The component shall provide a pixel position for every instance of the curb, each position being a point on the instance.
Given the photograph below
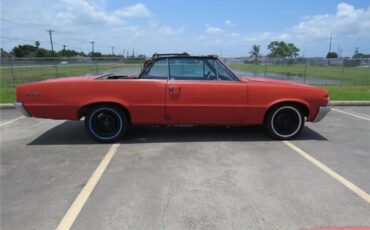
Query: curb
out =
(349, 103)
(332, 103)
(7, 106)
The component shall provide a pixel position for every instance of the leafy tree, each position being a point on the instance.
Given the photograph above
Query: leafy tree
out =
(41, 52)
(31, 51)
(95, 54)
(4, 53)
(25, 51)
(255, 52)
(69, 53)
(37, 44)
(332, 55)
(292, 50)
(282, 49)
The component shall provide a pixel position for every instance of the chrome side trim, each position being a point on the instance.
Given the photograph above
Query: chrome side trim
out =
(19, 106)
(322, 113)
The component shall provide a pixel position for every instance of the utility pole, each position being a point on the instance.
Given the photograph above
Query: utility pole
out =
(331, 37)
(92, 47)
(123, 53)
(51, 39)
(112, 50)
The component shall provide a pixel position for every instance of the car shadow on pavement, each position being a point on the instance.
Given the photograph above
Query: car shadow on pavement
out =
(73, 132)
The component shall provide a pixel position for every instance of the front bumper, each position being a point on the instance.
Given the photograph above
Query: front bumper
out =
(322, 113)
(19, 106)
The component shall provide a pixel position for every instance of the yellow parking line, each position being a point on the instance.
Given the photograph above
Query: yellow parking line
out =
(351, 114)
(11, 121)
(81, 199)
(361, 193)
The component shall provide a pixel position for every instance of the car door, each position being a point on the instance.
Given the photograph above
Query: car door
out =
(147, 94)
(203, 91)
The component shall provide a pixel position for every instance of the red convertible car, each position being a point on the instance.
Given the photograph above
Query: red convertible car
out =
(175, 89)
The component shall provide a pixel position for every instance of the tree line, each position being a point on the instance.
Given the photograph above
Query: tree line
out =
(277, 49)
(280, 49)
(24, 51)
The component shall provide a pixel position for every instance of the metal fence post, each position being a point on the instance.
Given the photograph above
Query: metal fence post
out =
(305, 71)
(341, 83)
(97, 67)
(265, 66)
(56, 68)
(12, 71)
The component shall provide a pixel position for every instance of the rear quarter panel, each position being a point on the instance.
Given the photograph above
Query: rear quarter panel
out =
(62, 99)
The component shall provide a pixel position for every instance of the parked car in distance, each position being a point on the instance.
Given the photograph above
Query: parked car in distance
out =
(175, 89)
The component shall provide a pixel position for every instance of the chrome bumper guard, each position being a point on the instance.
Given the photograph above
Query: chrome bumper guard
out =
(322, 113)
(19, 106)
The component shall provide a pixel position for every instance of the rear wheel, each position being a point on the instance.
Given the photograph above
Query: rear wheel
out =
(284, 122)
(106, 123)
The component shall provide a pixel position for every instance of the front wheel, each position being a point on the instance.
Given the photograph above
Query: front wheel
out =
(106, 123)
(284, 122)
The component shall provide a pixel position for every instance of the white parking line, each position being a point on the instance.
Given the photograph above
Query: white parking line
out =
(361, 193)
(81, 199)
(351, 114)
(11, 121)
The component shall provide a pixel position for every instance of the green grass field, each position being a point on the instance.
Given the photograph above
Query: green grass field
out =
(349, 93)
(351, 75)
(357, 86)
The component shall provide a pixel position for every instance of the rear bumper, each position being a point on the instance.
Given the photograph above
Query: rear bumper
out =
(19, 106)
(322, 113)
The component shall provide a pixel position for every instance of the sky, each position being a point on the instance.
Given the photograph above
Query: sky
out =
(218, 27)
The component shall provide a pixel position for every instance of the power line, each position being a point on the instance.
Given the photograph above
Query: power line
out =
(32, 26)
(19, 39)
(22, 24)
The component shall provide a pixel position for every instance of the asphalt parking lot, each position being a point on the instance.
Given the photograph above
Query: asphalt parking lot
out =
(53, 174)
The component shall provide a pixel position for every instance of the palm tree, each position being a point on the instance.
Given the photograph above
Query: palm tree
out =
(255, 52)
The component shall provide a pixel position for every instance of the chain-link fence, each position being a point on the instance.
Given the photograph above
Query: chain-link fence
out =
(18, 70)
(315, 71)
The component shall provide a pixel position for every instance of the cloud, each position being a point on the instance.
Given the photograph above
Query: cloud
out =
(135, 11)
(347, 22)
(167, 30)
(213, 30)
(229, 23)
(76, 22)
(82, 11)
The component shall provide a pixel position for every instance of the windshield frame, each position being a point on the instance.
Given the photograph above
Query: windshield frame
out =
(149, 63)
